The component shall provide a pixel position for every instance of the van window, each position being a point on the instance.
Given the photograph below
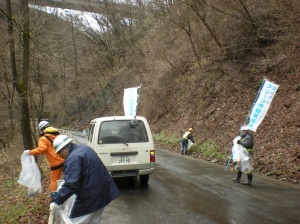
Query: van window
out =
(91, 132)
(120, 131)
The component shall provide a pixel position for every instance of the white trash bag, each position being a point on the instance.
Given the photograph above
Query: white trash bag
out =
(190, 143)
(241, 157)
(61, 216)
(235, 150)
(30, 175)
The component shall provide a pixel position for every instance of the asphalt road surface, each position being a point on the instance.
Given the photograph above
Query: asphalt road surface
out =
(184, 190)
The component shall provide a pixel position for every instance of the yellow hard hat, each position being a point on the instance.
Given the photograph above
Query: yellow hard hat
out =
(191, 129)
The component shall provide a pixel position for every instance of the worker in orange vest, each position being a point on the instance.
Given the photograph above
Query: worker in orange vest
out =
(45, 146)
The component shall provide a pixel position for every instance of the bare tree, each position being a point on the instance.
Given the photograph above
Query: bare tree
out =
(199, 8)
(20, 80)
(8, 95)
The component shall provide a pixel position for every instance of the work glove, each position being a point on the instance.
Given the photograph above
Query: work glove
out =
(54, 207)
(27, 152)
(53, 196)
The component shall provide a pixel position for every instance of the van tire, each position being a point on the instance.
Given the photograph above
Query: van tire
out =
(144, 179)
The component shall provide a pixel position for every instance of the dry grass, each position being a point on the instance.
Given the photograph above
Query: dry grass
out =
(15, 206)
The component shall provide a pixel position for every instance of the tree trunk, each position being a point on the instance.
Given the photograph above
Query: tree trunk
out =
(21, 83)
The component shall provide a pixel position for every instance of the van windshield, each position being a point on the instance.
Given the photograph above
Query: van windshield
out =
(120, 131)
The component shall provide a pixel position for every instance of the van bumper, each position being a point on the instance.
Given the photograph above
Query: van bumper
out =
(146, 171)
(131, 173)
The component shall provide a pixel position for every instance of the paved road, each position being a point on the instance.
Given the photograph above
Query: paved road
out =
(76, 135)
(188, 190)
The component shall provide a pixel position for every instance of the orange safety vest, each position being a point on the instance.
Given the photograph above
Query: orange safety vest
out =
(46, 147)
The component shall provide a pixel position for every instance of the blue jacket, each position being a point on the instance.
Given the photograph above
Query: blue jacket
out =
(86, 176)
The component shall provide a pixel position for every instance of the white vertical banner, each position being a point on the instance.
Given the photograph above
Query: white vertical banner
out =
(130, 101)
(262, 105)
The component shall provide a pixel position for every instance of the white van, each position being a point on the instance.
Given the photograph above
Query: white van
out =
(124, 144)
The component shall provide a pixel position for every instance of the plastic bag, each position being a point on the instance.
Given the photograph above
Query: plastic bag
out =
(241, 157)
(190, 143)
(30, 175)
(235, 150)
(246, 160)
(62, 215)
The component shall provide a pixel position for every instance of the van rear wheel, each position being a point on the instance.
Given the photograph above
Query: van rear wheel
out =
(144, 179)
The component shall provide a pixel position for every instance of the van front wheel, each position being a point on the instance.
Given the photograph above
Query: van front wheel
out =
(144, 179)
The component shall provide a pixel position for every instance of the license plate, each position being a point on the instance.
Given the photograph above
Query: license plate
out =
(124, 159)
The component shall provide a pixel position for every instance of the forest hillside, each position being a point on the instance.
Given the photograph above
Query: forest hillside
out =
(200, 65)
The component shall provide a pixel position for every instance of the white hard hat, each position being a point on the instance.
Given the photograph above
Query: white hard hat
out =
(60, 142)
(43, 125)
(244, 128)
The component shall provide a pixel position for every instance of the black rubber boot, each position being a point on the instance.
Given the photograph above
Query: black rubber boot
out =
(249, 182)
(238, 177)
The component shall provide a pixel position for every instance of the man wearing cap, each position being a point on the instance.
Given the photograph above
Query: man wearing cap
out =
(247, 142)
(185, 140)
(45, 146)
(85, 176)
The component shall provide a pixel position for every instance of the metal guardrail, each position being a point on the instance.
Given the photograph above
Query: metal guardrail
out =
(64, 132)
